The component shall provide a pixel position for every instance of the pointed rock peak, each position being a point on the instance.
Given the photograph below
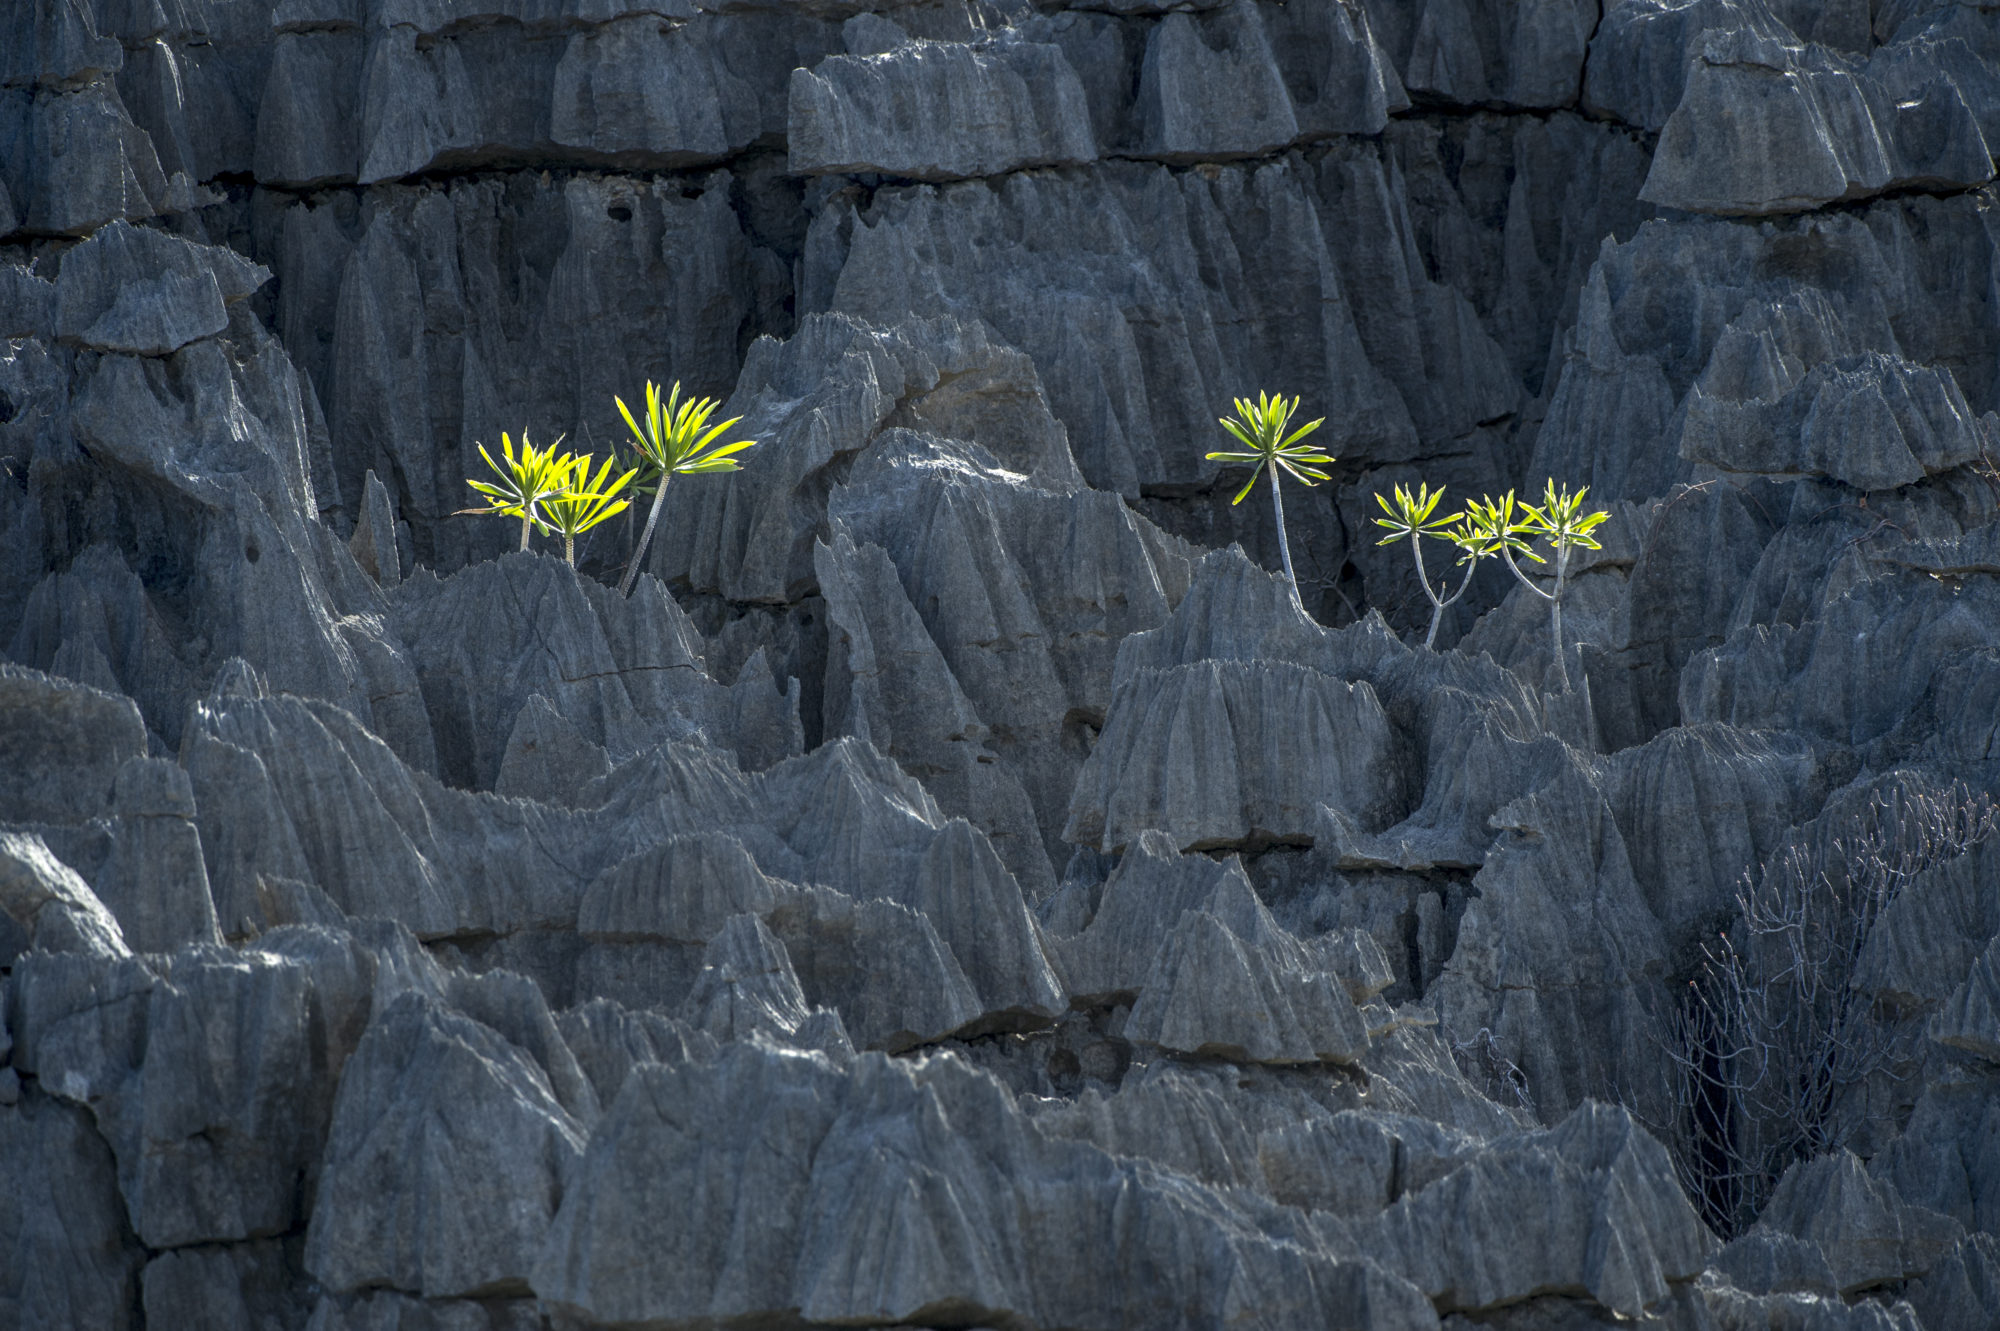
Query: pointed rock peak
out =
(48, 899)
(1970, 1020)
(373, 544)
(682, 890)
(547, 757)
(1211, 992)
(238, 679)
(746, 986)
(1596, 337)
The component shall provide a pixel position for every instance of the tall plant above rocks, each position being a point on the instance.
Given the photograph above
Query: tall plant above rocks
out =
(586, 503)
(1410, 516)
(676, 439)
(1260, 427)
(1560, 520)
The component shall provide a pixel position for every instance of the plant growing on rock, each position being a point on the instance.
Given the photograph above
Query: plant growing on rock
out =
(676, 440)
(1777, 1032)
(585, 503)
(1260, 427)
(1411, 517)
(1560, 520)
(526, 483)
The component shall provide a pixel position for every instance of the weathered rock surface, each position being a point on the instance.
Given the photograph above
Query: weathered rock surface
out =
(957, 888)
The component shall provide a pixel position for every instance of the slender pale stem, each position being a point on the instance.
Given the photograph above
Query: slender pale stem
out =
(1285, 546)
(1438, 607)
(1556, 617)
(645, 538)
(1554, 599)
(527, 525)
(569, 549)
(1423, 578)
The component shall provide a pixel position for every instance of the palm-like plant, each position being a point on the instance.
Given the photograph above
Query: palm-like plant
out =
(526, 482)
(677, 440)
(1260, 427)
(1560, 520)
(588, 501)
(1411, 517)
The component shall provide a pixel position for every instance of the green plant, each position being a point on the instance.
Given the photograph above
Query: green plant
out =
(587, 502)
(1410, 517)
(1260, 427)
(1560, 520)
(526, 482)
(676, 440)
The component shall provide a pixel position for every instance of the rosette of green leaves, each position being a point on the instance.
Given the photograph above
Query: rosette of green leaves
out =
(1510, 529)
(1260, 427)
(526, 483)
(676, 439)
(585, 503)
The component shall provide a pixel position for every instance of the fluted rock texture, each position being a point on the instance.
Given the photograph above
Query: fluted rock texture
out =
(960, 886)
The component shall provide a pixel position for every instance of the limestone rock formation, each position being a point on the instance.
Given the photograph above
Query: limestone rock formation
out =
(962, 885)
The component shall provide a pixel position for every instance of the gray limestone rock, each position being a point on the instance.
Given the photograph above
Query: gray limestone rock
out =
(1962, 1290)
(61, 746)
(1209, 87)
(27, 302)
(1970, 1019)
(610, 1041)
(642, 281)
(869, 1210)
(1357, 1163)
(438, 1213)
(746, 986)
(979, 275)
(1258, 998)
(386, 1310)
(1868, 1234)
(624, 674)
(1768, 1261)
(241, 1287)
(72, 161)
(1767, 127)
(1591, 1204)
(1948, 1156)
(1071, 268)
(142, 291)
(1474, 52)
(1870, 422)
(144, 859)
(70, 1256)
(55, 907)
(547, 757)
(1003, 106)
(1106, 959)
(1232, 754)
(374, 541)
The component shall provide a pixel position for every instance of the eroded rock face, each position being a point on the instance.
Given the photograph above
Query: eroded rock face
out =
(959, 886)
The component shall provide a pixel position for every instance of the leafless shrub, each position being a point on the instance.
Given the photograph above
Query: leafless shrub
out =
(1773, 1032)
(1480, 1061)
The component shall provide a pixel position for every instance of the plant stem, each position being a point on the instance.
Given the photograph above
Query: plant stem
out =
(1555, 606)
(1556, 617)
(527, 524)
(569, 549)
(1285, 546)
(645, 539)
(1438, 607)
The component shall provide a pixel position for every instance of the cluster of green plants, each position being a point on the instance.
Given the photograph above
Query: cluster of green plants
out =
(558, 493)
(1485, 528)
